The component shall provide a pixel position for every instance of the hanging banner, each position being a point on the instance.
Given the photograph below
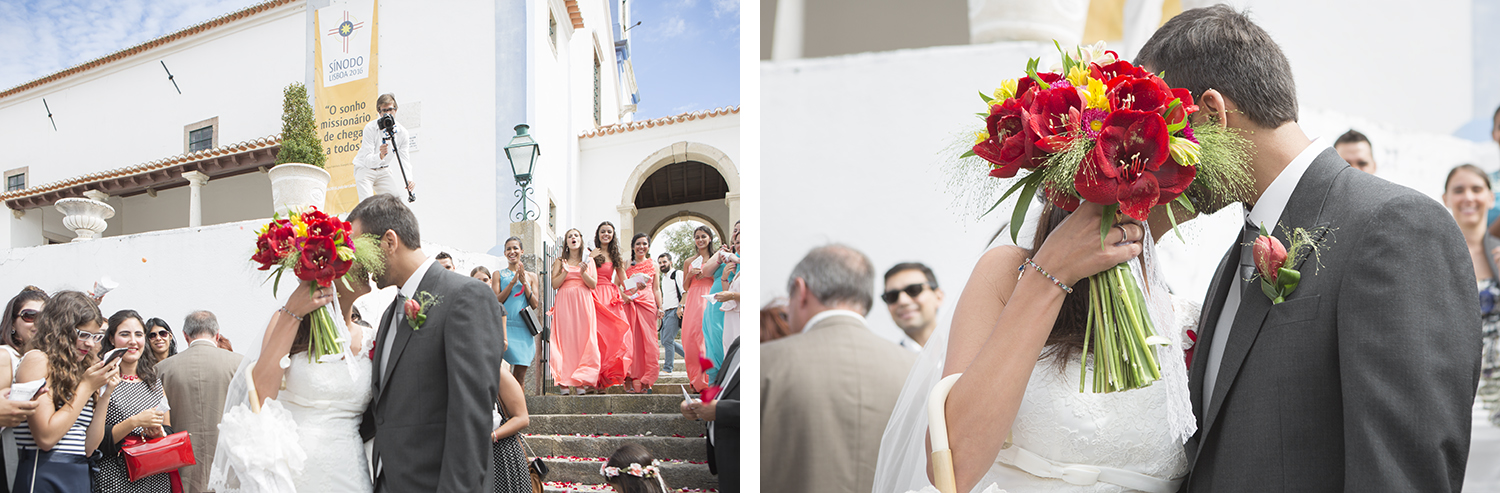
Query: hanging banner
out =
(345, 91)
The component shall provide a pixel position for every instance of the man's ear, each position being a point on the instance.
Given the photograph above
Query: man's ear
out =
(390, 241)
(1215, 106)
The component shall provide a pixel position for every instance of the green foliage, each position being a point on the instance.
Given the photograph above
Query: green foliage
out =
(680, 241)
(1223, 169)
(299, 133)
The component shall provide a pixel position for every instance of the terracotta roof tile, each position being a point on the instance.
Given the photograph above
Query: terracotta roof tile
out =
(143, 47)
(147, 167)
(663, 121)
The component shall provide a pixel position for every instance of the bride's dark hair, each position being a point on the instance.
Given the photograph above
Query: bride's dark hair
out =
(1066, 339)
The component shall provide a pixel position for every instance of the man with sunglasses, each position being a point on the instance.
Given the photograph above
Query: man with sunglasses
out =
(913, 297)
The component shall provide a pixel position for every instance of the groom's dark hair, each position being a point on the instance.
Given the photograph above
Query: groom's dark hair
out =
(1219, 48)
(384, 212)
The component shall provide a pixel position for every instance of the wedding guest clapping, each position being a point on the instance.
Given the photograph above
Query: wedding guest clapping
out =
(509, 460)
(159, 337)
(136, 408)
(724, 265)
(58, 439)
(516, 293)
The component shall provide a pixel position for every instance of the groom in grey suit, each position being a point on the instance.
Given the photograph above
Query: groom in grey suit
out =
(1363, 378)
(434, 383)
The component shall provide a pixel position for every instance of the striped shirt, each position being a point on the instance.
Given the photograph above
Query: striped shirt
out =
(71, 443)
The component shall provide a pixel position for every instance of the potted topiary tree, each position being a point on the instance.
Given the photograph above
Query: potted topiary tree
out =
(298, 179)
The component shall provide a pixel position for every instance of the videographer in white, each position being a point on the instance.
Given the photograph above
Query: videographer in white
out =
(377, 167)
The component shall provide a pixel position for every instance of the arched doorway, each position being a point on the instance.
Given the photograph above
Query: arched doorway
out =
(683, 179)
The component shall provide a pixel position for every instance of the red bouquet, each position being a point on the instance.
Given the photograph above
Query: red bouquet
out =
(317, 247)
(1106, 131)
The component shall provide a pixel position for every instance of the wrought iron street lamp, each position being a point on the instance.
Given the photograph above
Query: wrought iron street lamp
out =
(522, 152)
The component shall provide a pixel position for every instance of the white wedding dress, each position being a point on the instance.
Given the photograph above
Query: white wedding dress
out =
(307, 438)
(1141, 431)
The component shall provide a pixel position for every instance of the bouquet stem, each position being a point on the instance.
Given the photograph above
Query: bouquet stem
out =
(1118, 329)
(324, 336)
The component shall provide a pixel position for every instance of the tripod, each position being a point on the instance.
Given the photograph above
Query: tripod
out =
(389, 125)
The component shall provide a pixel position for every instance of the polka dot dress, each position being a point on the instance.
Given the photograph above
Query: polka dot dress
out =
(130, 398)
(511, 475)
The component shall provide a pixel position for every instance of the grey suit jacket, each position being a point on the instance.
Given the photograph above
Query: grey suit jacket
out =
(431, 412)
(826, 395)
(195, 381)
(1364, 378)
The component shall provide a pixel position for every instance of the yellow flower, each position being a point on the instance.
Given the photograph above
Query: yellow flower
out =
(1079, 76)
(981, 136)
(1006, 91)
(1096, 95)
(1185, 152)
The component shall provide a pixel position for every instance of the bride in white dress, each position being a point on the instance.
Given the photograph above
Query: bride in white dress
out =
(306, 435)
(1016, 419)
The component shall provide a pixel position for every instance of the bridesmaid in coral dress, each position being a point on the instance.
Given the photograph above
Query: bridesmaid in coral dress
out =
(698, 283)
(575, 343)
(641, 302)
(609, 308)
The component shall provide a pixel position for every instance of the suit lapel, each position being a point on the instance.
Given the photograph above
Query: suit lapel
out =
(1303, 210)
(404, 330)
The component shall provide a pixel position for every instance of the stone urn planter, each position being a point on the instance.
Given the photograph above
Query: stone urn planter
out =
(295, 186)
(86, 217)
(1027, 20)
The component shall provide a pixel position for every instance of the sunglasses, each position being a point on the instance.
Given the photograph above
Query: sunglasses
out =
(28, 315)
(161, 334)
(84, 335)
(911, 290)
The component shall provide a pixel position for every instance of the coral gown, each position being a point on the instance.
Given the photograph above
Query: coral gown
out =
(692, 329)
(644, 367)
(612, 327)
(575, 342)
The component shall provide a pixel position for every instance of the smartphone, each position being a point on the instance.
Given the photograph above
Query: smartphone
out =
(113, 354)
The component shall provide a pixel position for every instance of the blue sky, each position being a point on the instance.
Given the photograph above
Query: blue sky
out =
(685, 52)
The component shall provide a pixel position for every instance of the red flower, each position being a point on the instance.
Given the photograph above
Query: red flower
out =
(1182, 111)
(1270, 255)
(273, 246)
(320, 262)
(1025, 86)
(323, 227)
(1053, 117)
(1010, 143)
(412, 308)
(1127, 165)
(710, 393)
(1191, 344)
(1140, 94)
(1111, 74)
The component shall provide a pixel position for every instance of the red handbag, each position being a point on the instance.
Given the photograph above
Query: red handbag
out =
(150, 457)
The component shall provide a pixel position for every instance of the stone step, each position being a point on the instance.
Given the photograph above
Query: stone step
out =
(689, 449)
(676, 474)
(603, 404)
(602, 488)
(661, 425)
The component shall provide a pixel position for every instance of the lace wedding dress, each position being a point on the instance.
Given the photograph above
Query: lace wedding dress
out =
(1141, 431)
(307, 438)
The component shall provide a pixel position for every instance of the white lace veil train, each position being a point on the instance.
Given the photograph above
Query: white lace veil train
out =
(902, 465)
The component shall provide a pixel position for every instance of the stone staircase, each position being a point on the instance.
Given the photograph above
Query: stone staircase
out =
(575, 435)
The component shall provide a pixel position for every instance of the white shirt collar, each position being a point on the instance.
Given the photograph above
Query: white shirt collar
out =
(410, 288)
(206, 341)
(1268, 209)
(828, 314)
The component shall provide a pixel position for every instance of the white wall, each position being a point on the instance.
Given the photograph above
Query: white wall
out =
(607, 162)
(126, 112)
(872, 175)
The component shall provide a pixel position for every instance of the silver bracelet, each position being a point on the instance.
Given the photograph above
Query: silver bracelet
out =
(289, 312)
(1022, 270)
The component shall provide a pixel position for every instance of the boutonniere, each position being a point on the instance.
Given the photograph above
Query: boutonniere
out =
(416, 309)
(1278, 278)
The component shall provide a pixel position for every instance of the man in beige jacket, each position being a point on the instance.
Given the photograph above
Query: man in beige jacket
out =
(195, 381)
(828, 390)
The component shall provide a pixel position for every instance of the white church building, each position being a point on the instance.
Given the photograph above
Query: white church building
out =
(175, 136)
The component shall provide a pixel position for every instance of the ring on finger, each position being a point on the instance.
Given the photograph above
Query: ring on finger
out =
(1124, 233)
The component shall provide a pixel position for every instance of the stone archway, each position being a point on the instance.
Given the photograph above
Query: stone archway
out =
(680, 152)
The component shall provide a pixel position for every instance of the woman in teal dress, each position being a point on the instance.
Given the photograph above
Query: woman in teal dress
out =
(713, 317)
(520, 344)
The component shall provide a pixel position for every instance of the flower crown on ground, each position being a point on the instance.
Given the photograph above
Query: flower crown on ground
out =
(634, 469)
